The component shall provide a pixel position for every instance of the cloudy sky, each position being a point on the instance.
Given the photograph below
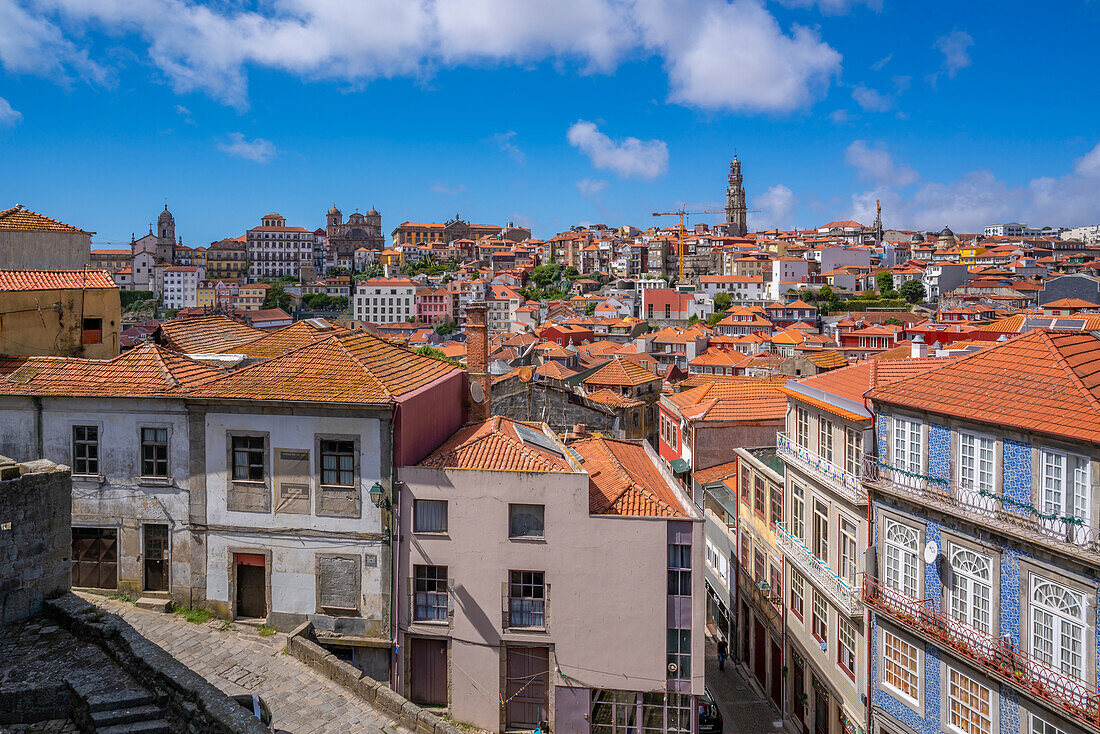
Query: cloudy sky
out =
(548, 113)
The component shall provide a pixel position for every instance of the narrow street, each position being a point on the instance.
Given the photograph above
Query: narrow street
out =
(744, 710)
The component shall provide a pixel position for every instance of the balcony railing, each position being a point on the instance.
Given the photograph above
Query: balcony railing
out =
(802, 558)
(998, 656)
(1007, 514)
(843, 482)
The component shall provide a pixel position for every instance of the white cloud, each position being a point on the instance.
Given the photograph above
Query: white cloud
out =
(875, 164)
(832, 7)
(840, 117)
(735, 56)
(504, 142)
(440, 187)
(877, 66)
(8, 115)
(871, 100)
(979, 198)
(955, 47)
(901, 82)
(257, 150)
(590, 187)
(211, 47)
(628, 158)
(778, 204)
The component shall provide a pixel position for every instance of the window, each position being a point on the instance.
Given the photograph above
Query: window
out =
(91, 331)
(430, 516)
(847, 538)
(802, 427)
(525, 521)
(248, 458)
(1065, 484)
(907, 448)
(976, 461)
(798, 594)
(798, 512)
(679, 654)
(821, 617)
(86, 450)
(969, 705)
(759, 499)
(154, 452)
(821, 530)
(758, 567)
(901, 558)
(338, 463)
(776, 505)
(679, 569)
(853, 451)
(825, 438)
(526, 599)
(746, 483)
(972, 588)
(1040, 726)
(899, 665)
(1058, 626)
(846, 649)
(429, 593)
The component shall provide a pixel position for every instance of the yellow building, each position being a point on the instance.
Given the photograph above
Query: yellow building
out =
(251, 297)
(59, 313)
(392, 258)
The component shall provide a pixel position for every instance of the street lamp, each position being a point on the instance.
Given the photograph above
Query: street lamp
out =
(378, 496)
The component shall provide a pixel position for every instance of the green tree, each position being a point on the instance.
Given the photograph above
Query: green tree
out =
(571, 272)
(892, 321)
(714, 318)
(590, 308)
(544, 275)
(277, 297)
(426, 351)
(693, 320)
(885, 281)
(912, 291)
(337, 272)
(446, 328)
(722, 301)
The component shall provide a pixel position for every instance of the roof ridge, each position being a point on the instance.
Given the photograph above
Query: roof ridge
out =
(1074, 377)
(164, 369)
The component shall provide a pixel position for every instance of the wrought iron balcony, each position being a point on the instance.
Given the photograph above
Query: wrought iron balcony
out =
(844, 483)
(1069, 534)
(839, 591)
(999, 657)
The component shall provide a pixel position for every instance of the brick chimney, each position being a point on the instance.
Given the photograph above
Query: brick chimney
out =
(477, 357)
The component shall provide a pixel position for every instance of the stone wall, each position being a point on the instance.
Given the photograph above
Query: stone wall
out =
(35, 536)
(558, 408)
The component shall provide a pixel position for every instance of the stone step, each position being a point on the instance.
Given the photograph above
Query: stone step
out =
(114, 700)
(126, 715)
(152, 726)
(153, 604)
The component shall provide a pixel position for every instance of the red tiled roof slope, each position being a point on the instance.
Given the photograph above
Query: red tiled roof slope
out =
(623, 480)
(494, 445)
(50, 280)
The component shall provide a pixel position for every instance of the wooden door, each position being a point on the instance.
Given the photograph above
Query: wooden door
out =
(95, 558)
(428, 671)
(821, 711)
(251, 586)
(746, 620)
(798, 690)
(527, 690)
(155, 554)
(760, 653)
(777, 675)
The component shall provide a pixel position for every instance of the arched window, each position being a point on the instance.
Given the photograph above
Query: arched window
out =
(901, 557)
(972, 588)
(1058, 626)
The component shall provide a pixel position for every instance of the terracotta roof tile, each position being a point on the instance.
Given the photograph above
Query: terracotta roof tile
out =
(554, 370)
(715, 398)
(49, 280)
(496, 445)
(207, 334)
(20, 218)
(623, 480)
(716, 473)
(620, 372)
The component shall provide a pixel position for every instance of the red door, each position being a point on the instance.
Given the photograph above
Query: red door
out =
(760, 653)
(777, 675)
(428, 671)
(526, 694)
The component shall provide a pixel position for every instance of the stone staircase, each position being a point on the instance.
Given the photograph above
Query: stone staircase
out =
(116, 705)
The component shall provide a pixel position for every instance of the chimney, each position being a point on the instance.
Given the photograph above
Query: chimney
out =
(579, 429)
(477, 359)
(919, 348)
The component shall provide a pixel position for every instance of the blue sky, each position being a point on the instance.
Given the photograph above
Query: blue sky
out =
(547, 113)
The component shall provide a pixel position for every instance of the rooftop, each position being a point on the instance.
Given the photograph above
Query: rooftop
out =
(50, 280)
(624, 480)
(501, 444)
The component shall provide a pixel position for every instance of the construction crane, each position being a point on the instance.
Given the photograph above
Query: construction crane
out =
(681, 214)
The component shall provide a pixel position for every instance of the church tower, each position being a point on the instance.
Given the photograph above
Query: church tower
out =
(736, 211)
(166, 235)
(877, 228)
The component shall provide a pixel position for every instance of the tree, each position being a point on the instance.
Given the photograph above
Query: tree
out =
(337, 272)
(722, 301)
(590, 308)
(893, 321)
(544, 275)
(571, 272)
(885, 281)
(446, 328)
(912, 291)
(277, 297)
(426, 351)
(714, 318)
(693, 320)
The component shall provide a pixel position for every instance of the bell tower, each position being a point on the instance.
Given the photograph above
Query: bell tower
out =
(736, 211)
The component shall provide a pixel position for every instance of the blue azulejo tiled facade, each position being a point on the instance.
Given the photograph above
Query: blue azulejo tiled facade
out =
(982, 586)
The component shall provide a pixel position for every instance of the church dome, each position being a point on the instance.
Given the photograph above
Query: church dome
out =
(333, 210)
(165, 216)
(946, 232)
(373, 212)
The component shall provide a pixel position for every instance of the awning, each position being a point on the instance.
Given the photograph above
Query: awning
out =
(679, 466)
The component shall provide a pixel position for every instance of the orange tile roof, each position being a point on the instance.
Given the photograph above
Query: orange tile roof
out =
(1042, 381)
(716, 473)
(620, 372)
(284, 340)
(21, 218)
(827, 360)
(495, 445)
(145, 371)
(1071, 303)
(207, 334)
(715, 398)
(623, 480)
(613, 399)
(51, 280)
(554, 370)
(720, 358)
(353, 367)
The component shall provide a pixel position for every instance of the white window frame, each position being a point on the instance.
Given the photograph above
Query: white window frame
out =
(798, 512)
(907, 446)
(1053, 626)
(825, 438)
(906, 650)
(847, 548)
(977, 461)
(1065, 491)
(901, 557)
(969, 589)
(956, 681)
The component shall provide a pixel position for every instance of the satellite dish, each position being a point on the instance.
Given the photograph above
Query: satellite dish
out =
(477, 392)
(930, 552)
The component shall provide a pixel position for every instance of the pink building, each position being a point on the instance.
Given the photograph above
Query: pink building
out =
(433, 305)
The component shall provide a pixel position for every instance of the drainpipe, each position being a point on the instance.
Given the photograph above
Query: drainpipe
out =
(395, 560)
(870, 542)
(38, 441)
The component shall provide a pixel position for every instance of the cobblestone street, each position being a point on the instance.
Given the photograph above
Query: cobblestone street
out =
(237, 660)
(744, 710)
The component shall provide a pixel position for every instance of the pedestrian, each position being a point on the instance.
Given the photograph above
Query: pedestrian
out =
(723, 650)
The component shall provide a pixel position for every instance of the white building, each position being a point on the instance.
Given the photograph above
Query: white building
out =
(275, 249)
(385, 300)
(1015, 229)
(1089, 234)
(181, 286)
(744, 289)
